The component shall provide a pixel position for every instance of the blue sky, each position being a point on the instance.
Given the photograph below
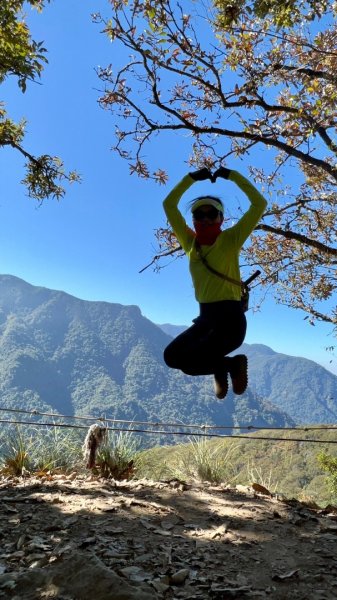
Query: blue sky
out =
(93, 242)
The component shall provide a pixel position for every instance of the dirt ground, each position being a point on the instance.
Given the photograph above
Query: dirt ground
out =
(73, 538)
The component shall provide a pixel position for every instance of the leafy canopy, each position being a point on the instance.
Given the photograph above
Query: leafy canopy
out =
(19, 54)
(286, 13)
(240, 87)
(24, 58)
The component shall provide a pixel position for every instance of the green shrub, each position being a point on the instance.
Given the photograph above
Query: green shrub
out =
(329, 464)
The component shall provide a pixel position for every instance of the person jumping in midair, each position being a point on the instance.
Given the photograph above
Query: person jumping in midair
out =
(221, 326)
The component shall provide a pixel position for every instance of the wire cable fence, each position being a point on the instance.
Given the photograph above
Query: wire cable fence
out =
(168, 428)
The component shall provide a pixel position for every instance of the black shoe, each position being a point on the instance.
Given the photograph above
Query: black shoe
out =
(238, 371)
(221, 384)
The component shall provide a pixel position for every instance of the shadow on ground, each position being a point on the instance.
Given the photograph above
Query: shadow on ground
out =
(71, 538)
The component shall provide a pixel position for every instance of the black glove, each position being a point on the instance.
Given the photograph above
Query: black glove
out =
(201, 175)
(222, 172)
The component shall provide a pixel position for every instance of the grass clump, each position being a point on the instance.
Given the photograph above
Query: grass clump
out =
(39, 450)
(117, 457)
(200, 460)
(42, 450)
(256, 474)
(57, 450)
(206, 461)
(16, 454)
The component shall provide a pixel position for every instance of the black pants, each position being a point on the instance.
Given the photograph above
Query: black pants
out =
(202, 349)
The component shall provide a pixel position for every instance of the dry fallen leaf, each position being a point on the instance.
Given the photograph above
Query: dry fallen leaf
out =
(288, 575)
(219, 532)
(260, 489)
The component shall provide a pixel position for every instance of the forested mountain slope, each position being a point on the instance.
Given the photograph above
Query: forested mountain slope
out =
(79, 357)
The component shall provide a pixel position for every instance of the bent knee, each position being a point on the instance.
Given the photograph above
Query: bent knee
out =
(177, 361)
(170, 358)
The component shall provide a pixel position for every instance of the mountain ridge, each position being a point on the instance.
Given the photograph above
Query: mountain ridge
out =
(94, 357)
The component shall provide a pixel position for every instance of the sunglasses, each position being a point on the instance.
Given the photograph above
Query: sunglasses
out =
(199, 214)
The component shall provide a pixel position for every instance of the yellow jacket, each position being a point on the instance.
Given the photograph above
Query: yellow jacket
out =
(223, 255)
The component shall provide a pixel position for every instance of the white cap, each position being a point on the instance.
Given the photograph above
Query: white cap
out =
(207, 202)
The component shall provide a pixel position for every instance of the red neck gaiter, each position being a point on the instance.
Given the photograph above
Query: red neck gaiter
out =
(207, 234)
